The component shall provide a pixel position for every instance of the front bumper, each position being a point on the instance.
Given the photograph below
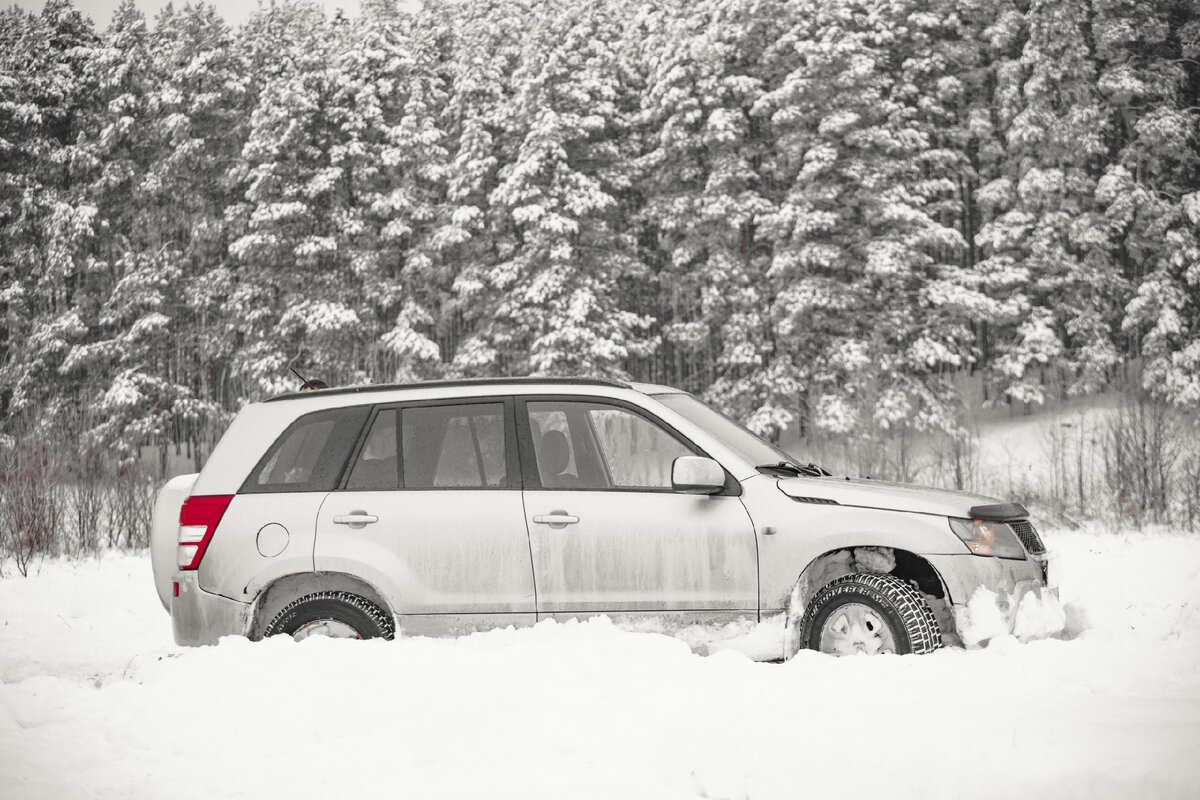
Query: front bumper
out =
(992, 597)
(199, 617)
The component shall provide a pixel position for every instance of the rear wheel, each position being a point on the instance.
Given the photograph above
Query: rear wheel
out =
(338, 615)
(871, 614)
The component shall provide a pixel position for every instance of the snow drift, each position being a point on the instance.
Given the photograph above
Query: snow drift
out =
(96, 701)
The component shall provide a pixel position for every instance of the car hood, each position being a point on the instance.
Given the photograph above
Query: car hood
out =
(883, 494)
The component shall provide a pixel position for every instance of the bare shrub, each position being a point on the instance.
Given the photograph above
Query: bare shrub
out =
(867, 455)
(1084, 464)
(32, 505)
(130, 497)
(902, 453)
(1189, 480)
(85, 497)
(1142, 445)
(1069, 447)
(1134, 461)
(1054, 451)
(954, 457)
(58, 498)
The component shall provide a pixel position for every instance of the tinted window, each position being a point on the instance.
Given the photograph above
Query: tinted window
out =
(584, 445)
(638, 453)
(553, 451)
(448, 447)
(311, 453)
(377, 465)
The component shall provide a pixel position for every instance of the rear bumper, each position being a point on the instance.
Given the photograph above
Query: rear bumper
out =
(199, 617)
(990, 597)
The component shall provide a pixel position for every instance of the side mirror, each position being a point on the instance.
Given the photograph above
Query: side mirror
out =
(696, 475)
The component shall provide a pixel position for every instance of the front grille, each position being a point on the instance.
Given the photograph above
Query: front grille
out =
(1028, 536)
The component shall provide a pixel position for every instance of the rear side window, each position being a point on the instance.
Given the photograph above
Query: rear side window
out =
(446, 447)
(377, 466)
(440, 447)
(311, 453)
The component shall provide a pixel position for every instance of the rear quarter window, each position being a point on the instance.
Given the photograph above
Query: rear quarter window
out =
(310, 455)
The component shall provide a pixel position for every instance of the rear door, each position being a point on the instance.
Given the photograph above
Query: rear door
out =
(430, 512)
(608, 534)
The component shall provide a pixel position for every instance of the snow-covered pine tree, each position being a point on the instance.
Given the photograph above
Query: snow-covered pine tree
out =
(567, 250)
(867, 239)
(120, 367)
(1150, 192)
(788, 204)
(199, 113)
(944, 91)
(479, 121)
(48, 223)
(24, 47)
(292, 299)
(988, 56)
(706, 175)
(390, 156)
(1061, 307)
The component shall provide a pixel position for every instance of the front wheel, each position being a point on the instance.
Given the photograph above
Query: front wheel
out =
(869, 613)
(337, 615)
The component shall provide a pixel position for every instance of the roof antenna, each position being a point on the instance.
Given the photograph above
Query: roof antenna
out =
(302, 378)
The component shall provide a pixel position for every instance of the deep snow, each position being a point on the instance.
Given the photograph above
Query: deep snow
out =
(96, 701)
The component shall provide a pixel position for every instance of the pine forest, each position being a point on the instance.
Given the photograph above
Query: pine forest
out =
(818, 215)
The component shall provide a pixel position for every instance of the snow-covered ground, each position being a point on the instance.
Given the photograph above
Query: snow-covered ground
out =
(96, 701)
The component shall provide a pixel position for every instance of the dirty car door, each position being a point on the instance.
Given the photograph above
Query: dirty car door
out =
(430, 511)
(607, 532)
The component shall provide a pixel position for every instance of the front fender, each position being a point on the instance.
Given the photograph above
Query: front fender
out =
(793, 534)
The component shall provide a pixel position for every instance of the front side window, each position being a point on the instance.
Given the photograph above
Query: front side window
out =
(588, 445)
(638, 453)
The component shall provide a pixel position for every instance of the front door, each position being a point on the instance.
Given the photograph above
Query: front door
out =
(430, 512)
(608, 534)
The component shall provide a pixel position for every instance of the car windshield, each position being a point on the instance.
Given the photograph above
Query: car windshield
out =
(732, 435)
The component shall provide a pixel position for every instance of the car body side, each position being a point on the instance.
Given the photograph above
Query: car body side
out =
(796, 530)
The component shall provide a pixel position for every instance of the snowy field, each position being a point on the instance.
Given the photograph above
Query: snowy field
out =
(96, 701)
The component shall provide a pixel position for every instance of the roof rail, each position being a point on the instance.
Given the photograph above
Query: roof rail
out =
(388, 387)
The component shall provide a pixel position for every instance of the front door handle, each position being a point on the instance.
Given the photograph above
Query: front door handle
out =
(355, 519)
(556, 519)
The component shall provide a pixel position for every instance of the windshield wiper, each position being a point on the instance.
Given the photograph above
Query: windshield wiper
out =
(787, 468)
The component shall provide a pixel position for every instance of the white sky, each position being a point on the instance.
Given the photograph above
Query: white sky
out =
(234, 12)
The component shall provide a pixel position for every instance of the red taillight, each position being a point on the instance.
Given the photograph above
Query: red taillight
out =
(198, 519)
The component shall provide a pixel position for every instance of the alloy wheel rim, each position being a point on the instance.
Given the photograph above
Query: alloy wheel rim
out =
(327, 628)
(856, 629)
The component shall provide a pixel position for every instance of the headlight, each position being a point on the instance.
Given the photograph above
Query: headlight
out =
(985, 538)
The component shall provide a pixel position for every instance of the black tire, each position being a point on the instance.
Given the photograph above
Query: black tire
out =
(908, 617)
(367, 620)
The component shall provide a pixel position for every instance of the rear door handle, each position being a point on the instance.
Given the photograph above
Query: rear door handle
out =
(556, 519)
(355, 519)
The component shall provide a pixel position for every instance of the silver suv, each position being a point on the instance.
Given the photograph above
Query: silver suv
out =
(449, 507)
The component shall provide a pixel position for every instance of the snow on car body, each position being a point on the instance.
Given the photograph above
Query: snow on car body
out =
(454, 506)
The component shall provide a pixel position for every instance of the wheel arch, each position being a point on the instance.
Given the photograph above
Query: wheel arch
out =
(283, 591)
(839, 562)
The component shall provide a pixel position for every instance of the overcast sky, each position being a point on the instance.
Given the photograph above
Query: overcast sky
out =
(234, 12)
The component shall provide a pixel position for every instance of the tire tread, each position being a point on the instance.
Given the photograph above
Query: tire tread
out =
(382, 620)
(921, 626)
